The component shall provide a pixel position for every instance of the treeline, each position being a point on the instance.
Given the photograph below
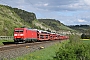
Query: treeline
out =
(26, 16)
(79, 26)
(85, 36)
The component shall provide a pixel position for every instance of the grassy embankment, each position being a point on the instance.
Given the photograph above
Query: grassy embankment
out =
(44, 54)
(1, 41)
(86, 41)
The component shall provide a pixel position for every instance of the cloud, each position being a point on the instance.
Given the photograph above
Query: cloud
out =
(68, 12)
(63, 5)
(46, 4)
(87, 2)
(81, 20)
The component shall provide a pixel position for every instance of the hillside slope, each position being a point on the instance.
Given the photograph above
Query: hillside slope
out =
(54, 24)
(11, 18)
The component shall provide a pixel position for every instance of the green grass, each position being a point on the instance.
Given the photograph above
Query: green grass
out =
(86, 41)
(1, 41)
(44, 54)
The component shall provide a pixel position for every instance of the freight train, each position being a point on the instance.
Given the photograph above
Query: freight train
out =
(28, 35)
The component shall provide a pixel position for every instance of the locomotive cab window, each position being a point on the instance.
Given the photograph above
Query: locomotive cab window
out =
(18, 30)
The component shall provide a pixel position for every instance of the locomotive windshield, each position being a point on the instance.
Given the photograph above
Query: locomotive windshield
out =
(18, 30)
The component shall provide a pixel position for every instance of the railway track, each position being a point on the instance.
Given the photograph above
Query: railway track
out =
(15, 50)
(13, 46)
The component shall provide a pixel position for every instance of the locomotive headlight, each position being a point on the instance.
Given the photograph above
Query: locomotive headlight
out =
(21, 34)
(15, 34)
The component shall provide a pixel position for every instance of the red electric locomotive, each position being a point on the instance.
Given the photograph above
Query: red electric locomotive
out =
(24, 34)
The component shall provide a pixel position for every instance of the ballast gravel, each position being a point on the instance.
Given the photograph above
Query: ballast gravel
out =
(13, 53)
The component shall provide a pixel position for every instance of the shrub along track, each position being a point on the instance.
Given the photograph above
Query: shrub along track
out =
(15, 50)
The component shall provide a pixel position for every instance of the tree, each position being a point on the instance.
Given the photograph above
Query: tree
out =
(83, 36)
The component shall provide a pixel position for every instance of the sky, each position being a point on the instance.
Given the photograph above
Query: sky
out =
(68, 12)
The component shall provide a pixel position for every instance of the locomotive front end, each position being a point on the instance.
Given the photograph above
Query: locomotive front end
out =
(18, 35)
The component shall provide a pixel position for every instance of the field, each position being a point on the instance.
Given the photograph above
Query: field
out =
(44, 54)
(87, 41)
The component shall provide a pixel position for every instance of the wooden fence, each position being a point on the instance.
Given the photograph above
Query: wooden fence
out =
(6, 37)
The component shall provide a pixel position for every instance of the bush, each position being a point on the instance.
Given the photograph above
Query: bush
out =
(74, 39)
(74, 50)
